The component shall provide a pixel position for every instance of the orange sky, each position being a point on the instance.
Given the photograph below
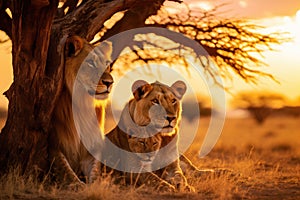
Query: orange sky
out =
(251, 8)
(284, 63)
(277, 15)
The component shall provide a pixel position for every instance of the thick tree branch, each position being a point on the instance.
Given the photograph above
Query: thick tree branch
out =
(135, 17)
(95, 10)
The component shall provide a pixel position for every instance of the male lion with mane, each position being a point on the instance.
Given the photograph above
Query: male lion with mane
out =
(70, 158)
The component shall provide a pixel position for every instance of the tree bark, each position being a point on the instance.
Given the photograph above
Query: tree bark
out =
(38, 48)
(23, 140)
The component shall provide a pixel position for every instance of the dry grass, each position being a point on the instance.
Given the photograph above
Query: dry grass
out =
(263, 163)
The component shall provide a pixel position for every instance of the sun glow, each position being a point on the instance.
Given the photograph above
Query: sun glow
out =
(298, 17)
(203, 5)
(243, 4)
(285, 60)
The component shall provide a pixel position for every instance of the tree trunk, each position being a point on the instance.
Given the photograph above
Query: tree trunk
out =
(38, 44)
(23, 141)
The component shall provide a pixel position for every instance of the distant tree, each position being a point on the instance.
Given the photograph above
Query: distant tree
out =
(291, 111)
(38, 29)
(259, 104)
(189, 108)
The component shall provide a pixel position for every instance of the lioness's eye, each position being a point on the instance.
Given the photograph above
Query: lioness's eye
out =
(108, 69)
(142, 143)
(108, 65)
(91, 63)
(155, 101)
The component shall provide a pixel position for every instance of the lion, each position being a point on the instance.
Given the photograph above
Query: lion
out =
(157, 107)
(69, 157)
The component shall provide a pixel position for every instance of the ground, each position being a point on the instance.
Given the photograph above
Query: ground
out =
(263, 162)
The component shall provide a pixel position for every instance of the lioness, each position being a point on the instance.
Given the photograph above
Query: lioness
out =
(68, 155)
(157, 106)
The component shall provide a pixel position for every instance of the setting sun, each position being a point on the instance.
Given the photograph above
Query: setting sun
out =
(243, 4)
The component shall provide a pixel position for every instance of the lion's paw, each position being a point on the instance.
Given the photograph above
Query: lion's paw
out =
(76, 186)
(166, 187)
(180, 183)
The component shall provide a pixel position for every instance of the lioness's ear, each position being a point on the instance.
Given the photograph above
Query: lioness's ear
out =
(140, 89)
(74, 45)
(106, 48)
(179, 88)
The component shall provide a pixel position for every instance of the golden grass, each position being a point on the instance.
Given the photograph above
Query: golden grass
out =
(262, 162)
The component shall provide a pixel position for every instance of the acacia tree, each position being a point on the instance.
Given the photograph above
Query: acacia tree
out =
(38, 29)
(259, 104)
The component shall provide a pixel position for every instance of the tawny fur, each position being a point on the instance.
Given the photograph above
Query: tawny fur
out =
(126, 137)
(139, 112)
(70, 158)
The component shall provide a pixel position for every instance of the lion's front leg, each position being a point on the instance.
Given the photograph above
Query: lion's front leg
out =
(90, 167)
(64, 173)
(188, 167)
(173, 174)
(152, 180)
(148, 179)
(94, 172)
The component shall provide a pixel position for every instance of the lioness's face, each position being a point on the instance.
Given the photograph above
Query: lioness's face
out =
(91, 66)
(158, 104)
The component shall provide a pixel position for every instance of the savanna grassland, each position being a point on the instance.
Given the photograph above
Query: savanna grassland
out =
(257, 162)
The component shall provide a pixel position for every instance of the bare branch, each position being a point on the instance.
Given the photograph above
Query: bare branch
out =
(233, 44)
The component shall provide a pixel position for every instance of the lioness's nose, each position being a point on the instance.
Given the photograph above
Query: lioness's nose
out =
(170, 119)
(107, 83)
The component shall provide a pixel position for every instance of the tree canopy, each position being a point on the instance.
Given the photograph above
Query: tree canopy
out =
(235, 45)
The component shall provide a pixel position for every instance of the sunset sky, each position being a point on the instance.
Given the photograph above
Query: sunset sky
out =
(284, 64)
